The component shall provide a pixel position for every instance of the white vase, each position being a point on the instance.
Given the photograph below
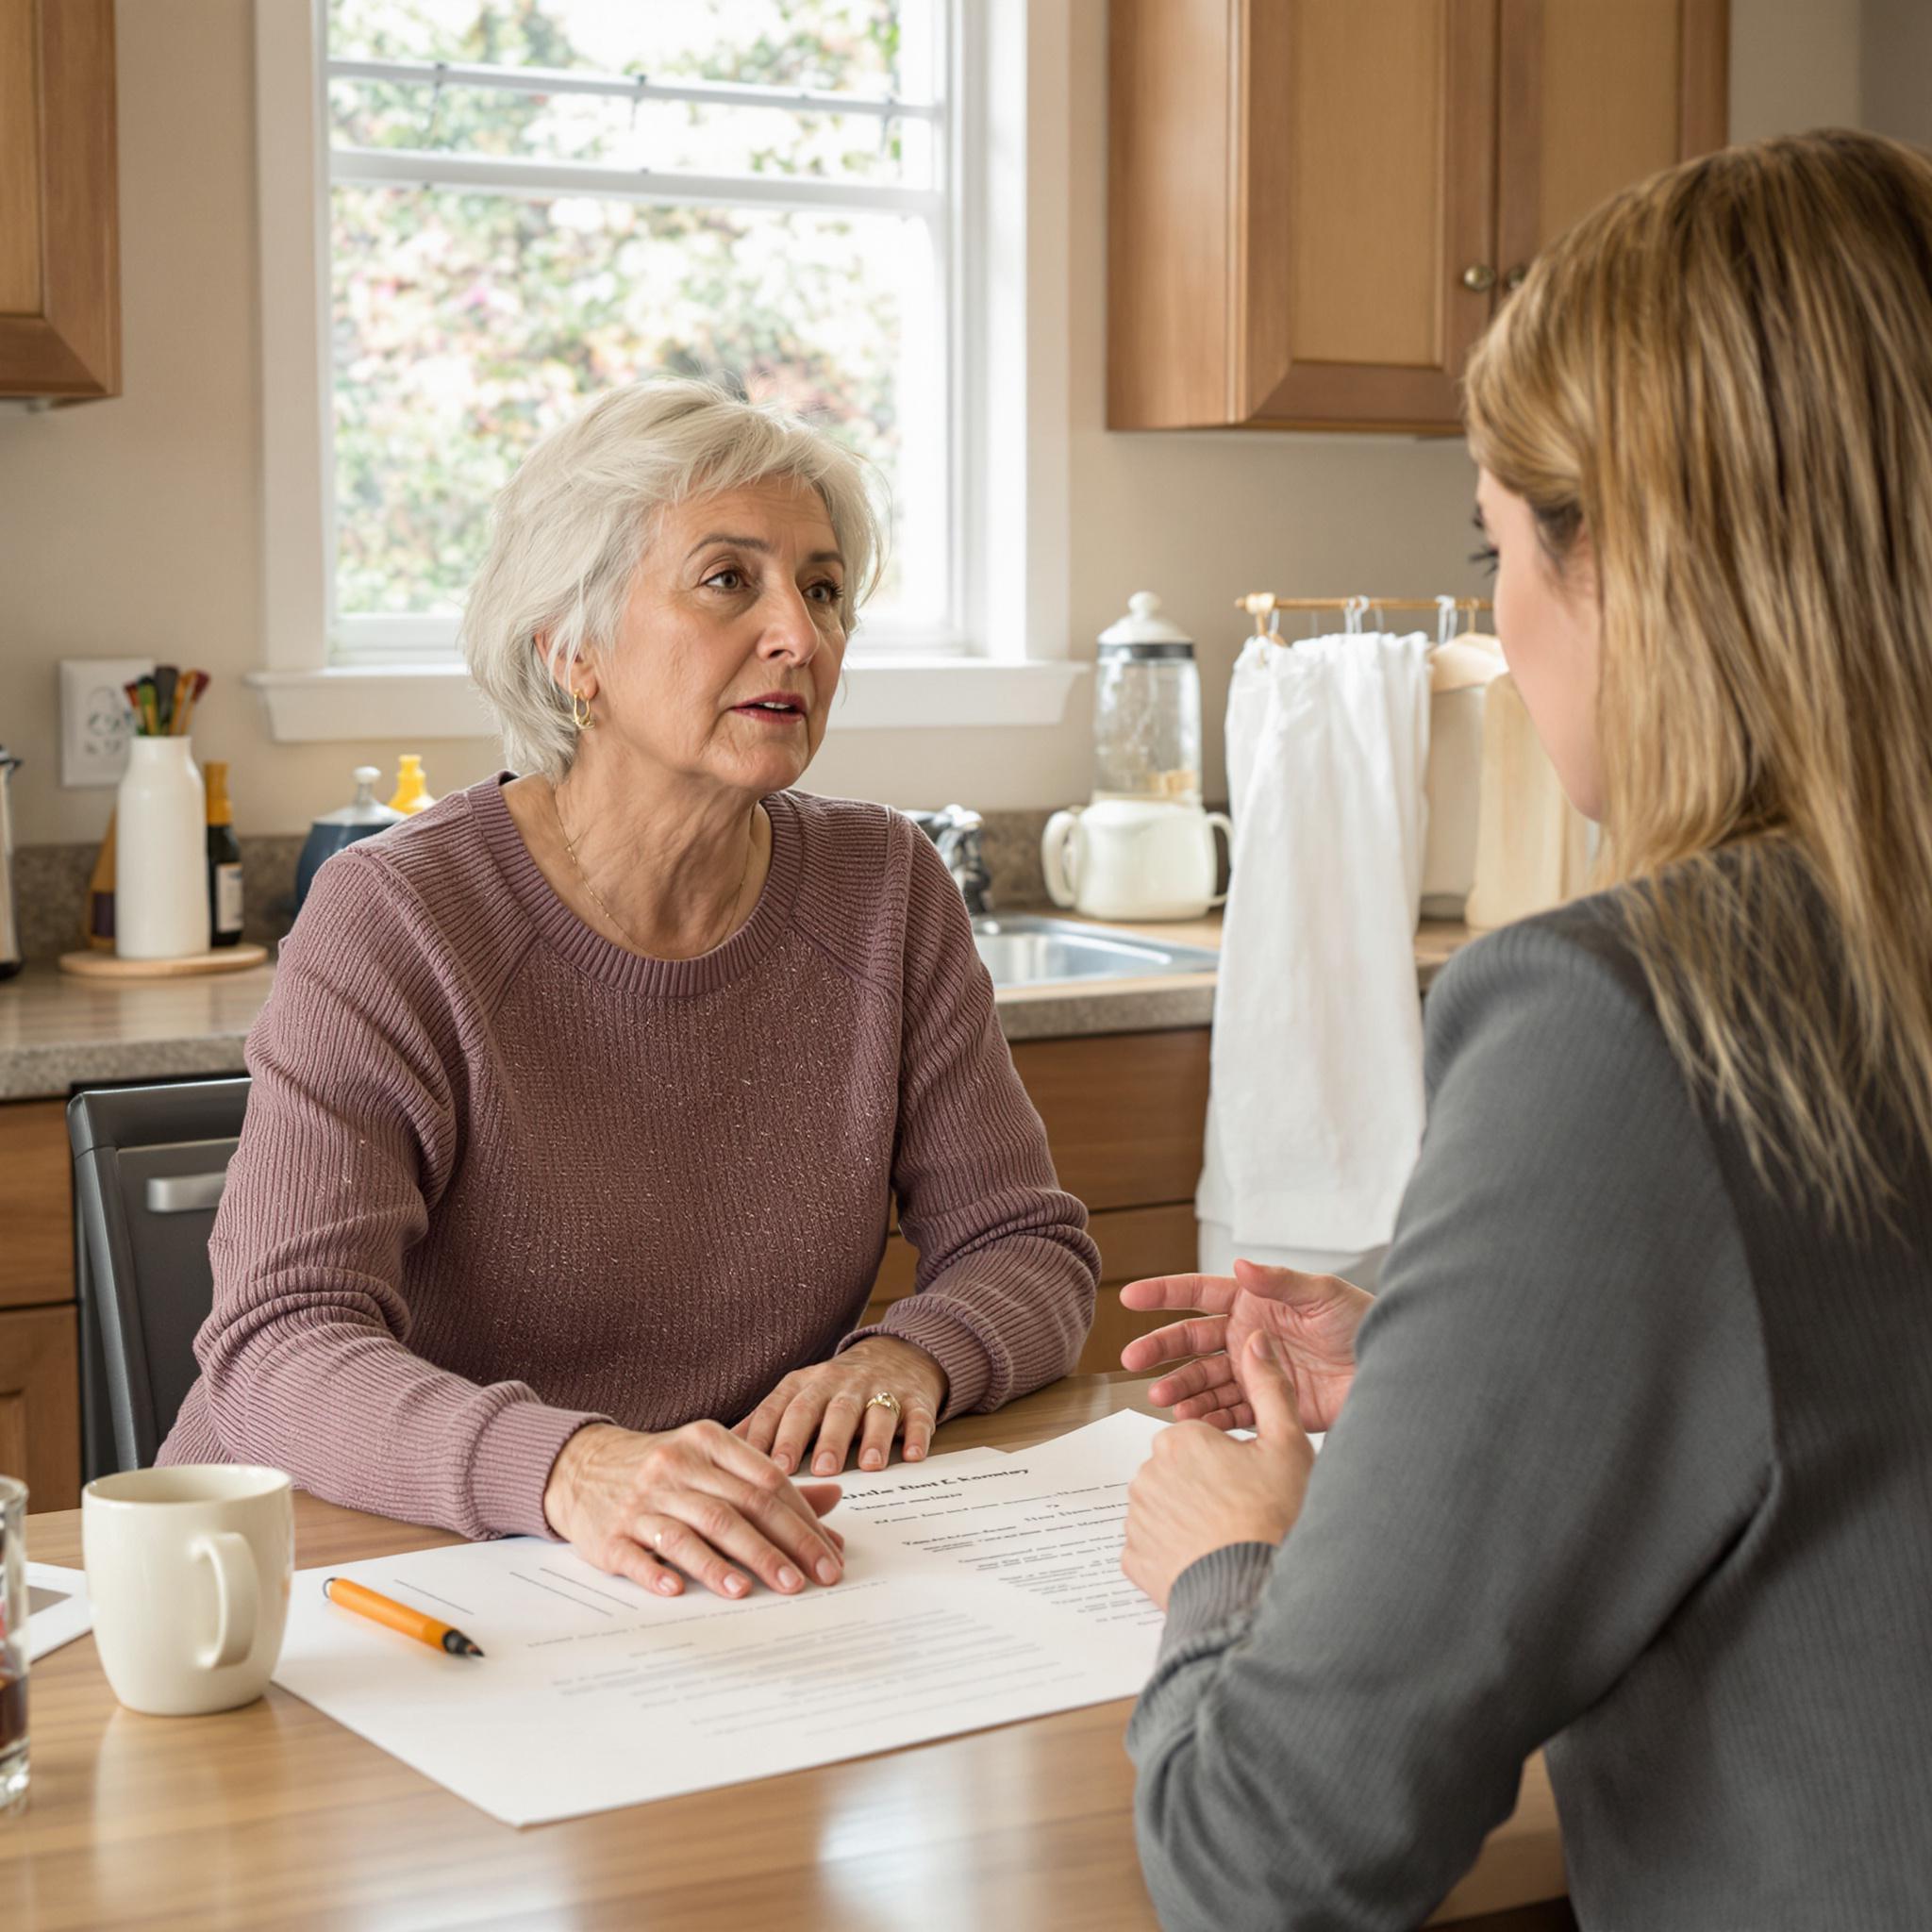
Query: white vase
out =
(160, 854)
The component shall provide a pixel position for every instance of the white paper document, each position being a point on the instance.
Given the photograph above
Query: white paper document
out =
(1050, 1520)
(58, 1610)
(594, 1693)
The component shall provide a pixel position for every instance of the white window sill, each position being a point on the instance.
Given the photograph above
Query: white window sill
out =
(346, 703)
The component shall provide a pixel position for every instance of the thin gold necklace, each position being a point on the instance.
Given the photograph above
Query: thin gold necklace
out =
(618, 925)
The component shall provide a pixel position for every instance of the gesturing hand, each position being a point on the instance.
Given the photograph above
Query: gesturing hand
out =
(649, 1507)
(833, 1400)
(1313, 1317)
(1201, 1490)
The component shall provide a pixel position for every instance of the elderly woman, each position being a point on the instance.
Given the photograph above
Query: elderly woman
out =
(1633, 1452)
(581, 1100)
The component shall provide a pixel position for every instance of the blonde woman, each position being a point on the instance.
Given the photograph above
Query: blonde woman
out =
(1633, 1453)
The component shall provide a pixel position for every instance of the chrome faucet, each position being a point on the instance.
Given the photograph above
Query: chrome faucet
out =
(957, 833)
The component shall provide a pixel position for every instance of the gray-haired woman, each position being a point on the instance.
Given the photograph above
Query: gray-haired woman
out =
(581, 1099)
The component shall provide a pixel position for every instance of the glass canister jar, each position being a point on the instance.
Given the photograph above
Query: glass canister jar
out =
(1146, 709)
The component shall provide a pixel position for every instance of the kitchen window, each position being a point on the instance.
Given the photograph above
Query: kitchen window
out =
(531, 203)
(476, 213)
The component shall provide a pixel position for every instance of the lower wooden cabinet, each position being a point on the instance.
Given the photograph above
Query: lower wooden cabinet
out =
(1125, 1115)
(40, 1404)
(40, 1349)
(36, 1187)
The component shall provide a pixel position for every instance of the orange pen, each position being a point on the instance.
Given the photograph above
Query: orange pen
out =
(383, 1609)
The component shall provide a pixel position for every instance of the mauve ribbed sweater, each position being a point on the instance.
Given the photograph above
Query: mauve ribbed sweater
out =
(500, 1177)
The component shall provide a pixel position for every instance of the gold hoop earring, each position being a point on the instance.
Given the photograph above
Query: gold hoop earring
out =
(580, 713)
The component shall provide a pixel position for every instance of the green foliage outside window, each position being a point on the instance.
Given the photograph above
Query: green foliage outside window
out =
(463, 324)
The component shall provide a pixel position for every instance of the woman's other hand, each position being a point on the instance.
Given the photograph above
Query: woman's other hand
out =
(695, 1501)
(1200, 1489)
(833, 1401)
(1314, 1317)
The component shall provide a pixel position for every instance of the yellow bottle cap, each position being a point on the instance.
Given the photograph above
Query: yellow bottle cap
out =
(413, 794)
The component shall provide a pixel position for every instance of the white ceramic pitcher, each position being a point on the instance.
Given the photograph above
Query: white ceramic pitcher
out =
(160, 854)
(1133, 858)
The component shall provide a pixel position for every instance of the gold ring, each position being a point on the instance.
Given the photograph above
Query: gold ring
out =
(884, 1398)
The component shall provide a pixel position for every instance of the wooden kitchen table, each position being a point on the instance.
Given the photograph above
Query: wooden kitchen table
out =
(276, 1816)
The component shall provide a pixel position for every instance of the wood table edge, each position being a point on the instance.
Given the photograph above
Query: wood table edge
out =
(1520, 1864)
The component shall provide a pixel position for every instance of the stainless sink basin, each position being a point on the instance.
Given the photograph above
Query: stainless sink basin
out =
(1023, 949)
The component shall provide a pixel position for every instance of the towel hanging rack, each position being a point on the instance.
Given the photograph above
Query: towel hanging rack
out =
(1265, 608)
(1260, 603)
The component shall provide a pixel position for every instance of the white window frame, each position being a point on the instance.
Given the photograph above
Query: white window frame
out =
(1005, 657)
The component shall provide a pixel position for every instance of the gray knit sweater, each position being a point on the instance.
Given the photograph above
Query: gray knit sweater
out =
(500, 1177)
(1638, 1463)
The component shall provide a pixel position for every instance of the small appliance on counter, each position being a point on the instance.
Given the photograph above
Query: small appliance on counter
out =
(1143, 848)
(362, 816)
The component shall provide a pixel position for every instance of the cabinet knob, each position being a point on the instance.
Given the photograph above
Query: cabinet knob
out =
(1479, 276)
(1516, 277)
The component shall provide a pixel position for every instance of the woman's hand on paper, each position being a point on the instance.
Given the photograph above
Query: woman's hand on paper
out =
(694, 1502)
(833, 1401)
(1201, 1490)
(1313, 1317)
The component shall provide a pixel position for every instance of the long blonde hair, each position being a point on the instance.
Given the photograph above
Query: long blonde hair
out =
(1724, 377)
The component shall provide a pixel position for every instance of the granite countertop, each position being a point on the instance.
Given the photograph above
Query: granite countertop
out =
(57, 1031)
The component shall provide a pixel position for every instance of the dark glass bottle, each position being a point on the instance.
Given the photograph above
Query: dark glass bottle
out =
(224, 861)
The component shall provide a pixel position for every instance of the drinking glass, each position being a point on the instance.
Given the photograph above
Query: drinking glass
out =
(12, 1642)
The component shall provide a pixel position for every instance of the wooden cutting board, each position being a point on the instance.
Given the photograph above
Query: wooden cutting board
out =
(106, 966)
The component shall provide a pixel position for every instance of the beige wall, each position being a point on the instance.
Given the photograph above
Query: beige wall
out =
(133, 526)
(1794, 65)
(1895, 70)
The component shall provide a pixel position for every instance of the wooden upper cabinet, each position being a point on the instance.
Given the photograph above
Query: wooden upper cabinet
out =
(1314, 206)
(1595, 94)
(60, 227)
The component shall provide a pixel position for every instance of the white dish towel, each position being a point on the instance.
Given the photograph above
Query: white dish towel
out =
(1315, 1112)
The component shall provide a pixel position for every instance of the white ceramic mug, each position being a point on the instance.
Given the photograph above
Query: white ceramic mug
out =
(188, 1572)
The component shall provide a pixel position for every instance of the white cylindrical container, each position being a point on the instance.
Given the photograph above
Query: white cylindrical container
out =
(160, 854)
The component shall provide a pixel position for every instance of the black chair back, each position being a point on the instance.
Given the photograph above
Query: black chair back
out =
(149, 1164)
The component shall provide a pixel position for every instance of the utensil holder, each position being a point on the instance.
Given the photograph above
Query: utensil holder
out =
(161, 856)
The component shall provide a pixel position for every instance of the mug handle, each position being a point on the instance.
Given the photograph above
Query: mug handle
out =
(1227, 825)
(1062, 830)
(236, 1598)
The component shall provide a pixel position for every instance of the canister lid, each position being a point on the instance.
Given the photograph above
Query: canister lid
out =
(1144, 633)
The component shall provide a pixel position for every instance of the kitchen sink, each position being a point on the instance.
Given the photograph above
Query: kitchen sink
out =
(1023, 949)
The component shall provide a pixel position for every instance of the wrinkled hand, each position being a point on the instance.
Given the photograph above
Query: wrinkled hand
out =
(693, 1500)
(830, 1399)
(1314, 1317)
(1201, 1490)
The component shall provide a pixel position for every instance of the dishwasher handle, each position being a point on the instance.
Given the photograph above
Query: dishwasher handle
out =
(185, 1193)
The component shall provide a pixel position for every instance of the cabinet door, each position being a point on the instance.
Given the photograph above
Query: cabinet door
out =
(1366, 208)
(1595, 97)
(1125, 1116)
(39, 1405)
(59, 230)
(36, 1204)
(1133, 1242)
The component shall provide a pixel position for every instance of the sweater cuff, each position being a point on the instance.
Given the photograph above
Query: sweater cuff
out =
(948, 1340)
(512, 1466)
(1214, 1591)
